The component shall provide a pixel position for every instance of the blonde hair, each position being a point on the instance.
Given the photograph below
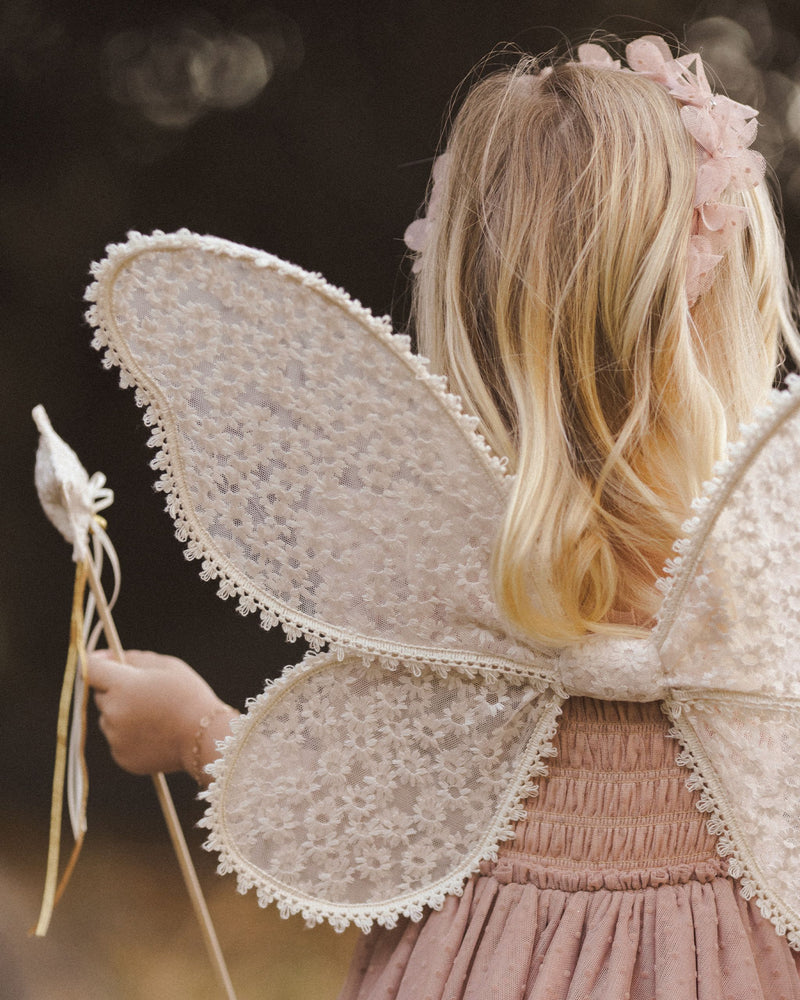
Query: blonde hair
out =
(552, 295)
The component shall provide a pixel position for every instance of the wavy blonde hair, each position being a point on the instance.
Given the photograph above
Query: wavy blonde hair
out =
(552, 295)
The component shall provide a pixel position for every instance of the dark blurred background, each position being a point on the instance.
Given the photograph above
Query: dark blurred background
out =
(304, 128)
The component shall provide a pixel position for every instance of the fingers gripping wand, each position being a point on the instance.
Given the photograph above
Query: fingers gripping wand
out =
(73, 501)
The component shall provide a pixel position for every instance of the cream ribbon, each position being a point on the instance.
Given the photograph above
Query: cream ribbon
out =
(79, 784)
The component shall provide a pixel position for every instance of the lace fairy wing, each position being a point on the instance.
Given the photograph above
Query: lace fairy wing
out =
(744, 753)
(729, 635)
(328, 480)
(355, 793)
(730, 616)
(324, 477)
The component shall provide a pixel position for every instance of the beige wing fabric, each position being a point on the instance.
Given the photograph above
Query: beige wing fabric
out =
(352, 792)
(327, 480)
(323, 476)
(729, 638)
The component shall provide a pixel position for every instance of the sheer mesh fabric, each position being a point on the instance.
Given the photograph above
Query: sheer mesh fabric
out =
(355, 792)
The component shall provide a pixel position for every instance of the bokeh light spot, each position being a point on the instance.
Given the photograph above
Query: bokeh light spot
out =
(174, 73)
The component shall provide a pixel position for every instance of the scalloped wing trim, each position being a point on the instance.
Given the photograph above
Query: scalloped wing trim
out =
(412, 905)
(679, 571)
(730, 843)
(231, 583)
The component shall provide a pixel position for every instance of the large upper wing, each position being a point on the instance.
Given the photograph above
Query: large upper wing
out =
(321, 473)
(353, 792)
(729, 638)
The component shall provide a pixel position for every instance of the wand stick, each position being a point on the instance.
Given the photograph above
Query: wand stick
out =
(168, 809)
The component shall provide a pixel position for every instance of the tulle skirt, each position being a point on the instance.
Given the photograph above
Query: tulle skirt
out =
(611, 890)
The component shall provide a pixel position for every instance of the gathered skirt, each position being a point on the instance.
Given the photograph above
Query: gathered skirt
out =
(611, 890)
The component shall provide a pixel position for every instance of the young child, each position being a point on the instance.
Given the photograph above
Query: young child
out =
(601, 278)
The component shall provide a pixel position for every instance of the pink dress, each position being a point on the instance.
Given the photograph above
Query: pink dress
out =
(611, 890)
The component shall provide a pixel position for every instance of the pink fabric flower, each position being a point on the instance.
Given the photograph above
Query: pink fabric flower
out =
(418, 233)
(723, 131)
(595, 55)
(700, 264)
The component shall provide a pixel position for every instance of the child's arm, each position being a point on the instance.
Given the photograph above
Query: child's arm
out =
(157, 713)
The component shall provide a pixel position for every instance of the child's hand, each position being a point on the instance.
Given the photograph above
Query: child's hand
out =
(155, 712)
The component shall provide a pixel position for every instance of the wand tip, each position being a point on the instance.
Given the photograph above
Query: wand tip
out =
(41, 419)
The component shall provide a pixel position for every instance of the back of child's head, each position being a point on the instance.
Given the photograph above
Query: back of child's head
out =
(552, 291)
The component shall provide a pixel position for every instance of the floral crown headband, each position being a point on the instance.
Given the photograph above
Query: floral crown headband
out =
(721, 128)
